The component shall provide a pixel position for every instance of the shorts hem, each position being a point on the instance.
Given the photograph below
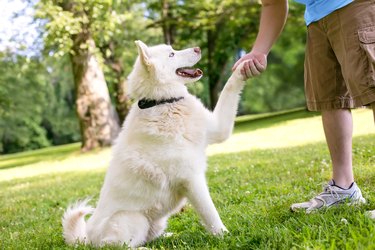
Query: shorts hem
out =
(343, 103)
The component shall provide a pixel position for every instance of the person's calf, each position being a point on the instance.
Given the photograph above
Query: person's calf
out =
(338, 129)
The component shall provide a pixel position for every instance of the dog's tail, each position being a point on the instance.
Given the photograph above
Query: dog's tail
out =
(74, 224)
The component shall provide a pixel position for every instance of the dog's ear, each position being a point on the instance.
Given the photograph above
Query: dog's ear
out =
(143, 53)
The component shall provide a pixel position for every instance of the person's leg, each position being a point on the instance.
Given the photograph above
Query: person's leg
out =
(337, 79)
(338, 128)
(373, 109)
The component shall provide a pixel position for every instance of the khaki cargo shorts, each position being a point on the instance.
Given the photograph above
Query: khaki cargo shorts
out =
(340, 58)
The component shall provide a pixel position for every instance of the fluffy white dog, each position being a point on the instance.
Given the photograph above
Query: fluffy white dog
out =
(159, 158)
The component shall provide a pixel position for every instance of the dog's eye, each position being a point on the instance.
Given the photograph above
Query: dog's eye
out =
(171, 54)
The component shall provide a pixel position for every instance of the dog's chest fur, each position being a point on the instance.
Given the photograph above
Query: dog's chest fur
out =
(178, 124)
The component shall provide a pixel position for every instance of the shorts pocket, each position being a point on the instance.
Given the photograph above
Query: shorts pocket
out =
(367, 42)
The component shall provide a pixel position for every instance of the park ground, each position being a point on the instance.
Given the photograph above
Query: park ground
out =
(270, 162)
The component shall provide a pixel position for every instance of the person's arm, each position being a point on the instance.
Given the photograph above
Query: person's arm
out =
(272, 21)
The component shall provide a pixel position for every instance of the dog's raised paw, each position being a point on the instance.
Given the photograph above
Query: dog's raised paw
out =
(237, 73)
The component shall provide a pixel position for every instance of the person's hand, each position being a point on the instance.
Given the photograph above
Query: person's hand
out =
(255, 64)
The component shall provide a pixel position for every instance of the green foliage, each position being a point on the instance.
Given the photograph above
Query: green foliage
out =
(110, 23)
(119, 50)
(66, 19)
(23, 97)
(59, 118)
(30, 102)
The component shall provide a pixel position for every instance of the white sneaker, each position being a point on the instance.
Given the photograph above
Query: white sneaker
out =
(332, 195)
(371, 214)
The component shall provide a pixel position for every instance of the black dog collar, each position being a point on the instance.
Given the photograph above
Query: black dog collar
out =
(145, 103)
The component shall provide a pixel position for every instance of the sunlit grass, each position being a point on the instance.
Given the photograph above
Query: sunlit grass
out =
(29, 157)
(79, 162)
(287, 130)
(268, 164)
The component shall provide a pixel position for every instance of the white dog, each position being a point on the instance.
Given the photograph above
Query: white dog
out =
(159, 158)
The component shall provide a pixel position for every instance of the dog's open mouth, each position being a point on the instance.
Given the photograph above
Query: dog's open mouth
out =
(189, 72)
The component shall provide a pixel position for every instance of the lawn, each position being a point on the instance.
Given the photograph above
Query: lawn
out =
(269, 163)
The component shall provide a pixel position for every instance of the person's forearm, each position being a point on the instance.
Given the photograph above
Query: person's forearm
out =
(273, 17)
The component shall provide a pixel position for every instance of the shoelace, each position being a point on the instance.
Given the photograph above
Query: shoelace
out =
(331, 190)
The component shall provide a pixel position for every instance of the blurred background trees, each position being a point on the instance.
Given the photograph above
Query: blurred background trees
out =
(67, 83)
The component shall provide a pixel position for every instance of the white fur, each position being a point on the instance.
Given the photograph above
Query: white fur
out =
(74, 225)
(159, 158)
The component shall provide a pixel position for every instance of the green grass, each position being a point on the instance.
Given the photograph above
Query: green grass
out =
(269, 163)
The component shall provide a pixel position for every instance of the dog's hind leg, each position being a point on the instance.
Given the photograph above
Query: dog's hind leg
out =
(130, 228)
(157, 228)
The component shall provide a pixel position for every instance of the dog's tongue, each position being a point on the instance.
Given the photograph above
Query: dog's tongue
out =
(191, 72)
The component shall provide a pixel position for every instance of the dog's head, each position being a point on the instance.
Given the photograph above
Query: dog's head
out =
(161, 69)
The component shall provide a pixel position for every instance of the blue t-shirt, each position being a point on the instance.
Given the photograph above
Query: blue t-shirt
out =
(317, 9)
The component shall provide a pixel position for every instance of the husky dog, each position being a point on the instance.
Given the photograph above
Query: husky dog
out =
(159, 159)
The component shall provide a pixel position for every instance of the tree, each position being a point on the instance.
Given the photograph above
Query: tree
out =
(70, 29)
(116, 73)
(119, 51)
(36, 97)
(23, 97)
(59, 117)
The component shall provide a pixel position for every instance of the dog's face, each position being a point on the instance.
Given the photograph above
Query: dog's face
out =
(160, 71)
(167, 65)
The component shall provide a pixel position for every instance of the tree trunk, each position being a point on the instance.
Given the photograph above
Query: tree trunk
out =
(97, 117)
(122, 99)
(213, 76)
(167, 26)
(216, 68)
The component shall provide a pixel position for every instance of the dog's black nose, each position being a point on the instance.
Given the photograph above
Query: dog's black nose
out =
(197, 50)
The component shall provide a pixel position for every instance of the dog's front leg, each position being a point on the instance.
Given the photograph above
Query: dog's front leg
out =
(222, 119)
(200, 198)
